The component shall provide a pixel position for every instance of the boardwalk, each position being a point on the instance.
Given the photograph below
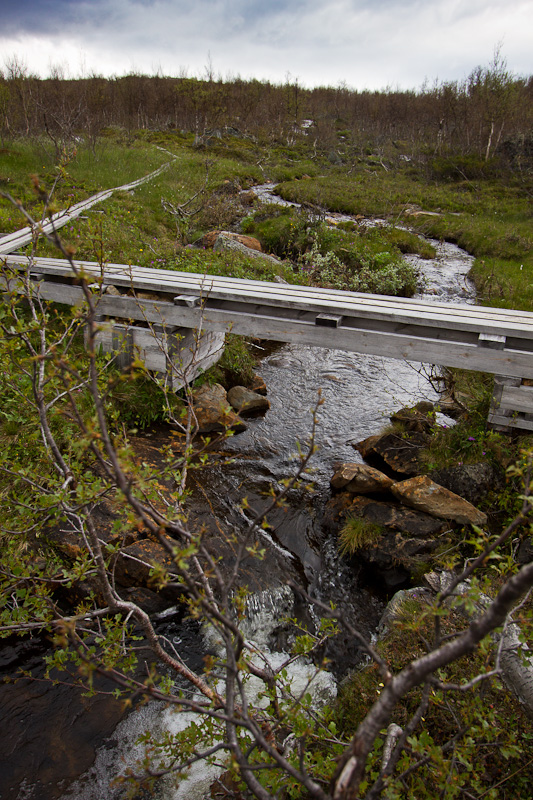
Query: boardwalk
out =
(492, 340)
(14, 241)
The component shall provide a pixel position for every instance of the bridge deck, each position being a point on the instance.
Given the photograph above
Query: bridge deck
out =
(494, 340)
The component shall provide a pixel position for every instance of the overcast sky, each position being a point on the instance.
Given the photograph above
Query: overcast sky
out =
(367, 44)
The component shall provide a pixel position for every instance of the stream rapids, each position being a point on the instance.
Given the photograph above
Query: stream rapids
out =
(63, 746)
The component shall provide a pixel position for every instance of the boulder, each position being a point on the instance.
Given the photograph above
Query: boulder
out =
(524, 554)
(225, 242)
(213, 412)
(400, 453)
(245, 401)
(366, 447)
(388, 515)
(394, 608)
(425, 495)
(360, 479)
(258, 385)
(471, 481)
(395, 557)
(135, 563)
(112, 291)
(408, 538)
(149, 601)
(336, 511)
(208, 241)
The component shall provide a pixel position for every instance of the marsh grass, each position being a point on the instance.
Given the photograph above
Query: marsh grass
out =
(490, 217)
(351, 257)
(83, 173)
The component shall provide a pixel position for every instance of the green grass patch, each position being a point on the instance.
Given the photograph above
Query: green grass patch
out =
(83, 172)
(489, 216)
(356, 534)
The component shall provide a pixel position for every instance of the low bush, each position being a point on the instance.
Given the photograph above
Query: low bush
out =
(361, 259)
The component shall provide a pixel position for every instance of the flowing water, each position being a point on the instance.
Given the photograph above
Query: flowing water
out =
(359, 393)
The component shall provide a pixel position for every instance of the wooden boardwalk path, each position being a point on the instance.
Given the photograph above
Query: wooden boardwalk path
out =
(14, 241)
(498, 341)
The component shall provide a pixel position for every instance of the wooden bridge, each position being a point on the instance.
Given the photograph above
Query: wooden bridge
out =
(151, 312)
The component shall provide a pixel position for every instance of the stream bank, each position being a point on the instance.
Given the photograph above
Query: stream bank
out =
(359, 394)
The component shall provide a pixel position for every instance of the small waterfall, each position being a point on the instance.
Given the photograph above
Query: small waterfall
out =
(263, 613)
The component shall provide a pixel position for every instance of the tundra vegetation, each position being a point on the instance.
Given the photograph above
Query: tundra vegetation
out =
(429, 715)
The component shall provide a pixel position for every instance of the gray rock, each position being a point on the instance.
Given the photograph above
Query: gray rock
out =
(225, 243)
(405, 520)
(395, 557)
(400, 453)
(471, 481)
(245, 401)
(258, 385)
(213, 412)
(393, 611)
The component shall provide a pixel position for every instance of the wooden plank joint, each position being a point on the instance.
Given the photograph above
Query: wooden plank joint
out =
(328, 320)
(189, 300)
(492, 341)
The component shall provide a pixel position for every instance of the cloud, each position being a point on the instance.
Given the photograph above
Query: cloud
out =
(366, 43)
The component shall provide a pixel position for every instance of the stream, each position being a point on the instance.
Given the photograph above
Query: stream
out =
(53, 738)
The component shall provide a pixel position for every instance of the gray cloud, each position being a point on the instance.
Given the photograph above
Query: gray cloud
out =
(44, 16)
(366, 43)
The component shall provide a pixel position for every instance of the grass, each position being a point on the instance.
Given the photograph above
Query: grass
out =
(492, 220)
(489, 217)
(356, 534)
(139, 227)
(352, 257)
(84, 172)
(485, 214)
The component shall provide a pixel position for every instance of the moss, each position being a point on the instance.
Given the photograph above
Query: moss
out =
(497, 742)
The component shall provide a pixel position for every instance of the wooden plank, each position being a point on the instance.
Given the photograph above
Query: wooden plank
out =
(128, 274)
(24, 236)
(510, 423)
(493, 322)
(369, 342)
(389, 343)
(356, 340)
(474, 323)
(180, 356)
(519, 398)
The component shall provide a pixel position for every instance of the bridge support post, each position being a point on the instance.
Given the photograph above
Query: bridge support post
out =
(177, 354)
(511, 407)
